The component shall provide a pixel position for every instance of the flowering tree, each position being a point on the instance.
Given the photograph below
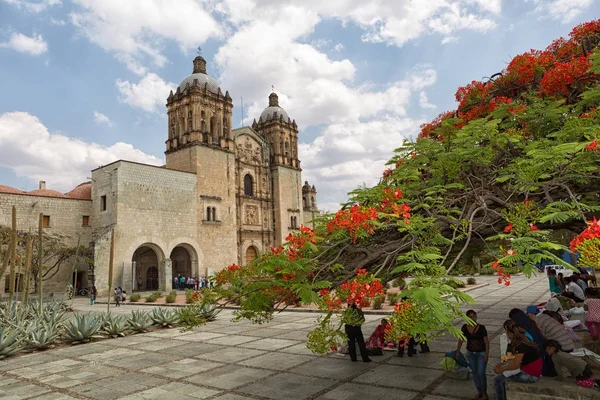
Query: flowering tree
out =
(516, 162)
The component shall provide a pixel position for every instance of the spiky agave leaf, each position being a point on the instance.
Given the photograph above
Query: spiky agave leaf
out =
(164, 317)
(139, 321)
(82, 329)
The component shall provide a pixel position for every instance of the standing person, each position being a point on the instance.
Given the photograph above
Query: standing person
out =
(354, 333)
(92, 297)
(196, 283)
(124, 297)
(554, 283)
(182, 282)
(527, 359)
(592, 316)
(175, 283)
(118, 294)
(94, 292)
(478, 353)
(139, 282)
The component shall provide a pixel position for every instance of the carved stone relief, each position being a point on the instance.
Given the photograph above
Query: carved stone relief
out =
(251, 215)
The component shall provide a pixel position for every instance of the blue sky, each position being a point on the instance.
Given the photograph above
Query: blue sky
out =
(84, 82)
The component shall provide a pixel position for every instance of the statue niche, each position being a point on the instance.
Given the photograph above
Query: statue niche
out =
(251, 215)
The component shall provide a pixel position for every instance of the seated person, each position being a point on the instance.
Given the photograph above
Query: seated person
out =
(574, 291)
(578, 369)
(525, 366)
(551, 329)
(377, 338)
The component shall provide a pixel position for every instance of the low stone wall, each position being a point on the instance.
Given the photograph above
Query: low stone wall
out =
(549, 389)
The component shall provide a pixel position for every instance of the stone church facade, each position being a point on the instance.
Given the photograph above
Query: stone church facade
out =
(224, 195)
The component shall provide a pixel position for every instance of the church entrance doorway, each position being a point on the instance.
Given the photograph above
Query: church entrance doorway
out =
(181, 262)
(145, 260)
(251, 254)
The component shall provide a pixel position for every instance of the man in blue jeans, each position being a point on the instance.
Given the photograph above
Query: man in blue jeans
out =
(478, 353)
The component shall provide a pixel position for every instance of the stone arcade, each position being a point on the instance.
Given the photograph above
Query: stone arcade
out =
(224, 196)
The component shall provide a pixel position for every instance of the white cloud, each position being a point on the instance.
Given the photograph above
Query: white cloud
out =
(424, 102)
(135, 30)
(62, 161)
(450, 39)
(149, 94)
(100, 118)
(338, 47)
(32, 6)
(560, 10)
(58, 22)
(24, 44)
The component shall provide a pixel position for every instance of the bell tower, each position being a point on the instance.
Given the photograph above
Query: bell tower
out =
(281, 133)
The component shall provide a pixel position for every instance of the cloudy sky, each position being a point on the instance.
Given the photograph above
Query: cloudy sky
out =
(84, 82)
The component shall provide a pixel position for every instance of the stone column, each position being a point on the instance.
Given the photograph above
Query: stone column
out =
(167, 276)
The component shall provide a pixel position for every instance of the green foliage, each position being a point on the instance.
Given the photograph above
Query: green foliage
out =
(471, 281)
(8, 342)
(191, 317)
(400, 283)
(326, 337)
(114, 325)
(378, 302)
(189, 293)
(393, 298)
(135, 298)
(139, 321)
(41, 334)
(164, 317)
(152, 298)
(171, 297)
(82, 329)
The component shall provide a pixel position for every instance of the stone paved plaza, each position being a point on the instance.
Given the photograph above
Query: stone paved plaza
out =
(241, 361)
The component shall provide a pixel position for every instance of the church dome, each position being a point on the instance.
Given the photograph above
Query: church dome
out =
(82, 192)
(274, 110)
(199, 73)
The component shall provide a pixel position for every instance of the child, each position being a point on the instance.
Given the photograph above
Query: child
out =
(592, 316)
(577, 368)
(124, 298)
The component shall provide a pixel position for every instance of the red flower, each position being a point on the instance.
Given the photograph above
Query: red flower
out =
(509, 227)
(361, 272)
(387, 173)
(323, 292)
(593, 145)
(397, 193)
(532, 227)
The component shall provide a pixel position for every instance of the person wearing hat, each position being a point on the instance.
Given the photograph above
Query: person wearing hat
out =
(551, 329)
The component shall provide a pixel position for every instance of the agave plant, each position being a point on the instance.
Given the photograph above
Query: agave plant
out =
(8, 342)
(209, 312)
(82, 329)
(139, 321)
(164, 317)
(115, 325)
(41, 334)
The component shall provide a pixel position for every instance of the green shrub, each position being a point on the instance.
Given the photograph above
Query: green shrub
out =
(471, 281)
(157, 294)
(378, 302)
(152, 298)
(171, 297)
(400, 283)
(82, 329)
(9, 342)
(135, 298)
(392, 298)
(189, 296)
(455, 284)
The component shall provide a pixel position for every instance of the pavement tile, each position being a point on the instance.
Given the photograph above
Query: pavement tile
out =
(269, 344)
(288, 386)
(174, 391)
(332, 368)
(182, 368)
(233, 340)
(200, 336)
(192, 349)
(388, 375)
(231, 355)
(354, 391)
(228, 377)
(276, 361)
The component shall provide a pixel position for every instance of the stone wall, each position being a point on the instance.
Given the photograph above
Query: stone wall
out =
(66, 217)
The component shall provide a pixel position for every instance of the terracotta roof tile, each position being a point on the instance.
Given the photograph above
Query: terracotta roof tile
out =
(46, 193)
(8, 189)
(83, 191)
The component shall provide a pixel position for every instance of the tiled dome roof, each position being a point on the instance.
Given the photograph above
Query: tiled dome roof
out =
(83, 191)
(8, 189)
(212, 84)
(46, 193)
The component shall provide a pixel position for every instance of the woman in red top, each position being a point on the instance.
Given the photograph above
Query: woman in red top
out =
(377, 338)
(527, 360)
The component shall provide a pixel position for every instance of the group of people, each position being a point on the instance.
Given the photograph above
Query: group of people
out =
(190, 282)
(573, 286)
(377, 341)
(540, 344)
(120, 296)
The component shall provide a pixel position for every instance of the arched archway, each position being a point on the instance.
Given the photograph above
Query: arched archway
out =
(146, 268)
(251, 254)
(181, 262)
(248, 185)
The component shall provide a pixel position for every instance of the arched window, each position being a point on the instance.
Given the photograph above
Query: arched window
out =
(314, 202)
(208, 213)
(248, 185)
(214, 214)
(294, 222)
(287, 147)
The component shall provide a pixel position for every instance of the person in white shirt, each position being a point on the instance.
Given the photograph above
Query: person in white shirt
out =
(574, 291)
